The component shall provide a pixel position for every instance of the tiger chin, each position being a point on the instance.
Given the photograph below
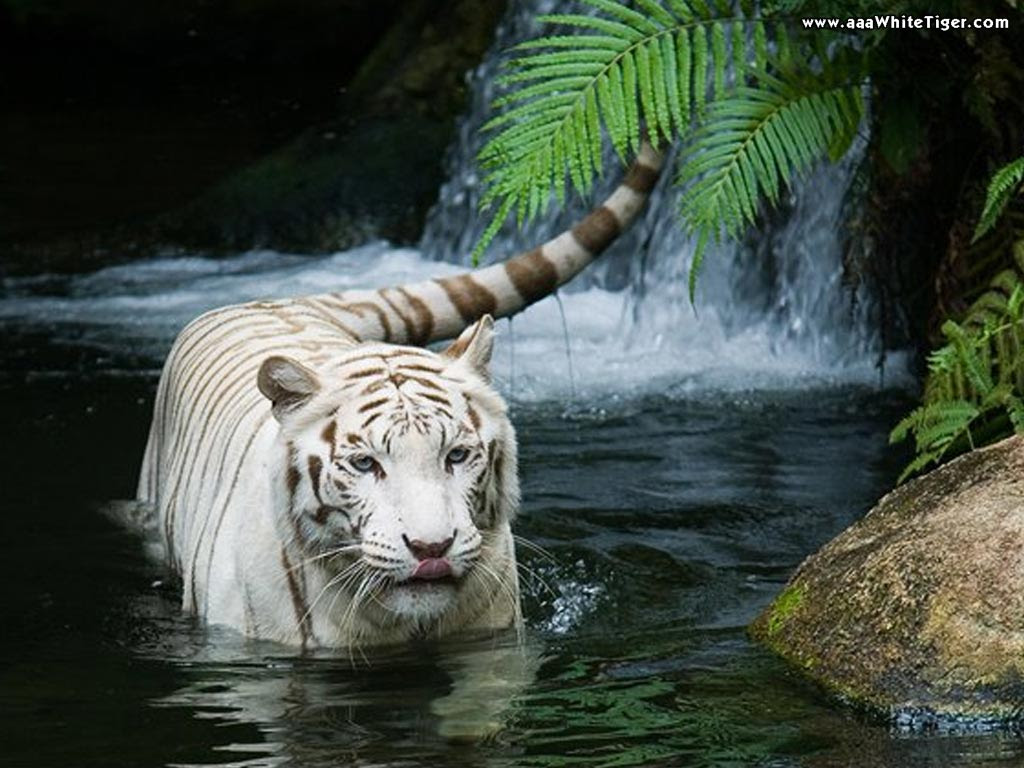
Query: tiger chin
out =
(387, 515)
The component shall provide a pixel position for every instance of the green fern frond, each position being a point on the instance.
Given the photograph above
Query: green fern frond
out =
(634, 68)
(1005, 183)
(974, 394)
(754, 141)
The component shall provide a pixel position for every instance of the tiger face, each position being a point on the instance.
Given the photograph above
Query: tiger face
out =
(399, 471)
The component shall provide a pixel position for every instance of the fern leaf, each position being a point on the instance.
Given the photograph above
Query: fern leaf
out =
(700, 71)
(627, 15)
(739, 51)
(684, 55)
(1015, 408)
(760, 46)
(1005, 183)
(752, 139)
(657, 12)
(634, 67)
(718, 59)
(575, 42)
(681, 10)
(643, 74)
(629, 93)
(658, 64)
(595, 23)
(921, 461)
(967, 353)
(677, 120)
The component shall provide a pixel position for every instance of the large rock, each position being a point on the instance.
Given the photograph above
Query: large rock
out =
(917, 611)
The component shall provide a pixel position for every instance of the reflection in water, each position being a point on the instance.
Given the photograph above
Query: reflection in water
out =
(670, 523)
(329, 711)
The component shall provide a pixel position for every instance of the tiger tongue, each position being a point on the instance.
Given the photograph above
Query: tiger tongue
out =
(432, 568)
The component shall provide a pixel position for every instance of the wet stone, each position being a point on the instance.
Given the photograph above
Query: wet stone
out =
(917, 611)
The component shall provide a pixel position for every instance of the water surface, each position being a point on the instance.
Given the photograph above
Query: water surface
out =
(670, 522)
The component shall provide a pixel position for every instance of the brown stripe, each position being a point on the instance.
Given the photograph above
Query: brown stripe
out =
(365, 372)
(382, 316)
(418, 367)
(315, 468)
(533, 275)
(471, 299)
(424, 317)
(410, 328)
(474, 417)
(597, 231)
(640, 178)
(373, 417)
(328, 433)
(372, 404)
(293, 472)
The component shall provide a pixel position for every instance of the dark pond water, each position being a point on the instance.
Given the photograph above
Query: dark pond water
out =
(670, 523)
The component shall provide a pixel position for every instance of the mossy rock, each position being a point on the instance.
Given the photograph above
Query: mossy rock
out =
(917, 611)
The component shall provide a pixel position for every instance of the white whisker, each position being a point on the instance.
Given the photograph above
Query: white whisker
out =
(533, 547)
(337, 579)
(344, 549)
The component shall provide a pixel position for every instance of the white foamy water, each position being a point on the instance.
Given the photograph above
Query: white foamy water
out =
(613, 347)
(769, 313)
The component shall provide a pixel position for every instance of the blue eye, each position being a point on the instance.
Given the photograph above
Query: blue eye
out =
(363, 463)
(457, 455)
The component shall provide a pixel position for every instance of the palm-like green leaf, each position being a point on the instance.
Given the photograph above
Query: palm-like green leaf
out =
(629, 71)
(974, 394)
(1005, 183)
(755, 140)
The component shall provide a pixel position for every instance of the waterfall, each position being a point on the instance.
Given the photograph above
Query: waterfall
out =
(774, 303)
(769, 312)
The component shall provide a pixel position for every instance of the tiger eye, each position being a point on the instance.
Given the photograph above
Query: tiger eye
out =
(363, 463)
(457, 455)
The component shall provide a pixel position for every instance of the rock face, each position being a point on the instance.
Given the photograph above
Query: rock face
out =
(917, 611)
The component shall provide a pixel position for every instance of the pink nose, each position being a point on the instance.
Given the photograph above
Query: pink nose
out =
(432, 568)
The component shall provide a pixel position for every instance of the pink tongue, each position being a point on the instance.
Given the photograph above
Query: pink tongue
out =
(432, 568)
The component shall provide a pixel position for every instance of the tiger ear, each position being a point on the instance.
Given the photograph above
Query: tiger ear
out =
(474, 347)
(287, 383)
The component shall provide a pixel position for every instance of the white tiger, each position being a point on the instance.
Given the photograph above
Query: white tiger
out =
(371, 500)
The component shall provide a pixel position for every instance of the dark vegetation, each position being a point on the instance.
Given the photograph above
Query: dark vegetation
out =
(224, 125)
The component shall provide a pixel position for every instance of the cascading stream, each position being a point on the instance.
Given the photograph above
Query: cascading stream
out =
(769, 313)
(772, 308)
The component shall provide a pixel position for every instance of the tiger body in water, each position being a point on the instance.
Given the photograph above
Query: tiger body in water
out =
(371, 499)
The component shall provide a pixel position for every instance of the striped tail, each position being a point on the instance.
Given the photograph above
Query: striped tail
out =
(440, 309)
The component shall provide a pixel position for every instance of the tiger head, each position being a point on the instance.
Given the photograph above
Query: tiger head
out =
(398, 474)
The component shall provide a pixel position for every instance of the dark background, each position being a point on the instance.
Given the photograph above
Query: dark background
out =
(223, 125)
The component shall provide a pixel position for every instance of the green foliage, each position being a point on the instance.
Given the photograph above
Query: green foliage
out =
(625, 73)
(1005, 183)
(974, 394)
(755, 140)
(657, 70)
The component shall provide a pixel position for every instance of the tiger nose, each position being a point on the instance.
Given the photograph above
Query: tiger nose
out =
(424, 550)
